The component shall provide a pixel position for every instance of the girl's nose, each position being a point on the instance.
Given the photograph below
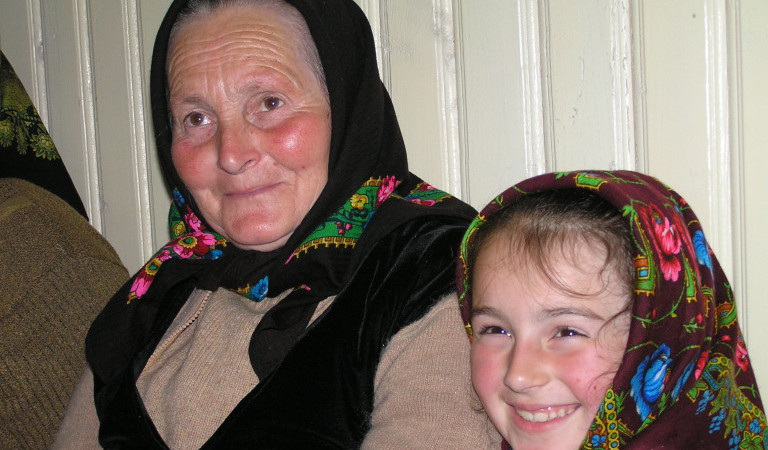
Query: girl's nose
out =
(527, 368)
(238, 147)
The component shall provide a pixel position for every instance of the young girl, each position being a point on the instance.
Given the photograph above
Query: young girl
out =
(600, 318)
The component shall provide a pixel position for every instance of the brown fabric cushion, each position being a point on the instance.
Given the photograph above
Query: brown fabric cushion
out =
(56, 273)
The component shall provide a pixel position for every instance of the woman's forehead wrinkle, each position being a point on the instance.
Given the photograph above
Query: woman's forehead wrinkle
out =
(261, 49)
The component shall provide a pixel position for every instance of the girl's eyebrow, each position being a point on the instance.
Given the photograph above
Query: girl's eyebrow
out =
(570, 311)
(485, 311)
(545, 314)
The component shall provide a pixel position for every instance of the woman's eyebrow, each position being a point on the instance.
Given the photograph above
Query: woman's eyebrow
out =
(250, 85)
(188, 100)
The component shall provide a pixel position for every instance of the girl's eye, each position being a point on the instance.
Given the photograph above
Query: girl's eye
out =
(272, 103)
(494, 330)
(196, 119)
(567, 332)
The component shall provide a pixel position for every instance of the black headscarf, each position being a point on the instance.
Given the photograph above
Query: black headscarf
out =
(26, 149)
(370, 193)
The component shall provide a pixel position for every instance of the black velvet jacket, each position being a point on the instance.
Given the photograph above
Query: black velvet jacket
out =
(321, 395)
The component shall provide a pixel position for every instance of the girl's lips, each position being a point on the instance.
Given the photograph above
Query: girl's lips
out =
(547, 414)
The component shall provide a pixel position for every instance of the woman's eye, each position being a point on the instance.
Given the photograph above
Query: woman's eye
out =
(567, 332)
(272, 103)
(196, 119)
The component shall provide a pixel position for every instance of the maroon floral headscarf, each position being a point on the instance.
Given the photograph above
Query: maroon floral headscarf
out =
(685, 380)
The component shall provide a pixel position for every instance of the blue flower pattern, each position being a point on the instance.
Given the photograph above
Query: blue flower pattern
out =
(178, 198)
(259, 291)
(717, 421)
(735, 439)
(706, 397)
(648, 382)
(681, 381)
(214, 254)
(596, 440)
(702, 249)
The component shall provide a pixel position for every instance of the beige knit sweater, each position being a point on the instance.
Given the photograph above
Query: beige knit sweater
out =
(423, 397)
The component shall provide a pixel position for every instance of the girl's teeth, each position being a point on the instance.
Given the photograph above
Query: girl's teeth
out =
(544, 416)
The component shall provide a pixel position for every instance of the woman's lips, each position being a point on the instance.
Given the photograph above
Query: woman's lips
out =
(548, 414)
(252, 191)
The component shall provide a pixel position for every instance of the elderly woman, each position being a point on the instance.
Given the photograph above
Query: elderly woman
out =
(306, 300)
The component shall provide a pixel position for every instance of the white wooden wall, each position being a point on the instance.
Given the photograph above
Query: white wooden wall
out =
(488, 92)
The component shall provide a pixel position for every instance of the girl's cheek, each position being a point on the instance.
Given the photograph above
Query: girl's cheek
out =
(487, 367)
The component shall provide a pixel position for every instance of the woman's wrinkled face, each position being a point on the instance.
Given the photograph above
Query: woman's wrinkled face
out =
(251, 124)
(542, 359)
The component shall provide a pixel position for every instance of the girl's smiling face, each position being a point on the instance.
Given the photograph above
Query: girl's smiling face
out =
(543, 356)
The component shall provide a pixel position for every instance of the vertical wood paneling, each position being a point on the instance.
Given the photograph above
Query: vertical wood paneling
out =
(753, 105)
(118, 85)
(623, 85)
(72, 118)
(151, 13)
(547, 99)
(718, 130)
(640, 113)
(139, 128)
(461, 163)
(21, 40)
(39, 92)
(582, 83)
(736, 146)
(536, 150)
(93, 194)
(448, 101)
(676, 104)
(413, 43)
(494, 120)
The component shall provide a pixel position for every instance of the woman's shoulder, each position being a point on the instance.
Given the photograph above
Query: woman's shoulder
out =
(410, 270)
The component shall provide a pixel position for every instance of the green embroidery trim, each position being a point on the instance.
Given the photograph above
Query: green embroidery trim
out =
(729, 406)
(344, 227)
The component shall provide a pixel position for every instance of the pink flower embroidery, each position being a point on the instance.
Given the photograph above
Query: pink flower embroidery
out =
(343, 227)
(700, 364)
(666, 241)
(194, 244)
(193, 221)
(424, 187)
(742, 360)
(423, 202)
(140, 285)
(385, 189)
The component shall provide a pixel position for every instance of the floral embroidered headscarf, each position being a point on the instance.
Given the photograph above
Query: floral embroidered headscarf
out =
(26, 149)
(685, 380)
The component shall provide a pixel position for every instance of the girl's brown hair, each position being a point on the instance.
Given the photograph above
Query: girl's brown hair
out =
(542, 227)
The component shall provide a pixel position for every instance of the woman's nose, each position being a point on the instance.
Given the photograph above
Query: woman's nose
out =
(238, 147)
(527, 369)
